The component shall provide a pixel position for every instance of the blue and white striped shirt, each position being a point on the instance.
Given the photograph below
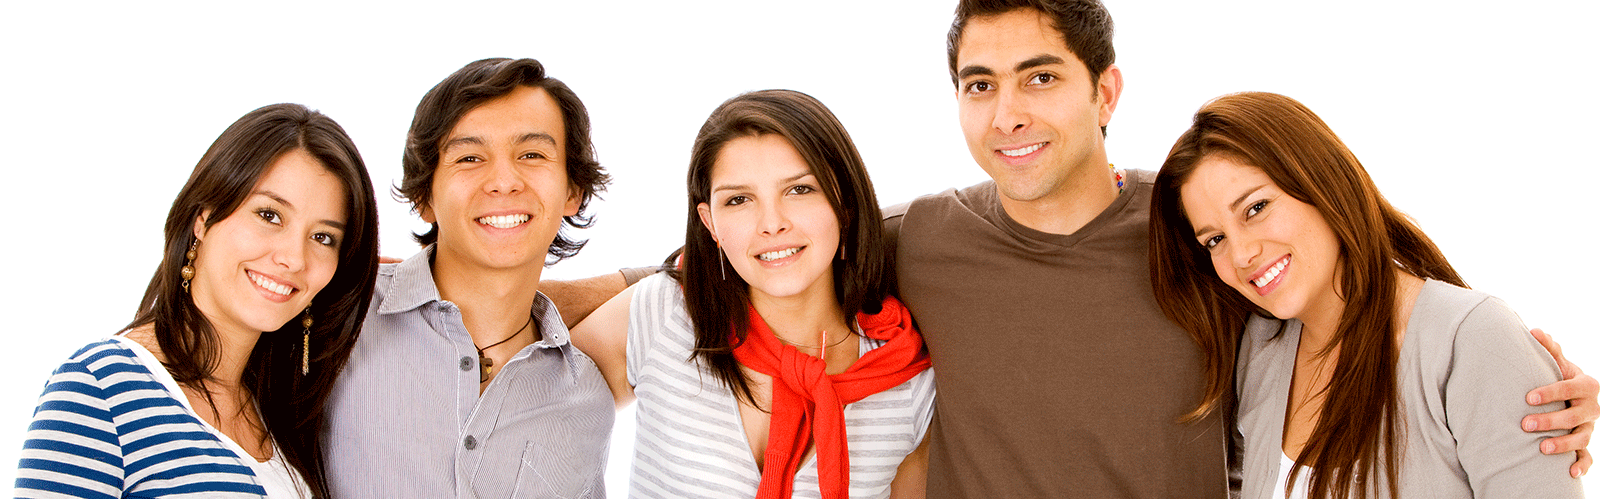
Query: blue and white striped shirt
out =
(107, 427)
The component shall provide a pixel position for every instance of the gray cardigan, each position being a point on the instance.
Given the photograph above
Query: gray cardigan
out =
(1466, 366)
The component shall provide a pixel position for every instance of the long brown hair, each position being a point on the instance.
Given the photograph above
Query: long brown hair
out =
(717, 305)
(1357, 431)
(290, 403)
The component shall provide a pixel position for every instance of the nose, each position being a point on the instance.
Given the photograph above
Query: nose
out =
(290, 252)
(504, 177)
(774, 218)
(1244, 250)
(1010, 113)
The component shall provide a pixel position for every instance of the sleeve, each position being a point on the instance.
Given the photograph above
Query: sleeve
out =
(72, 447)
(649, 312)
(1495, 362)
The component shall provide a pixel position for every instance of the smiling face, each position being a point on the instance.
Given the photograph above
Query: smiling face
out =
(1274, 249)
(261, 266)
(501, 187)
(772, 219)
(1029, 110)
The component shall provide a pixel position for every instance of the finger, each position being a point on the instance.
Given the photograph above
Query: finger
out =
(1581, 467)
(1576, 441)
(1581, 390)
(390, 259)
(1571, 418)
(1568, 369)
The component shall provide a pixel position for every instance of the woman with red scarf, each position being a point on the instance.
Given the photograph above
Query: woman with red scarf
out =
(771, 362)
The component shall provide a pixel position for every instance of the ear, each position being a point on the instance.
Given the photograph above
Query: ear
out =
(1110, 88)
(425, 212)
(574, 198)
(705, 219)
(200, 224)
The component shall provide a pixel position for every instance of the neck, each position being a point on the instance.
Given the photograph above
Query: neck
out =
(1089, 189)
(801, 319)
(493, 302)
(234, 347)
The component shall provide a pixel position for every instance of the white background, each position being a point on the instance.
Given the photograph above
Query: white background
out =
(1476, 117)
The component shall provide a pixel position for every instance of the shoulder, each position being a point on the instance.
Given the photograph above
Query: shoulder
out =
(1469, 315)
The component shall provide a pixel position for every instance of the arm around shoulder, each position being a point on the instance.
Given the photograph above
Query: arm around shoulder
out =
(603, 336)
(1494, 363)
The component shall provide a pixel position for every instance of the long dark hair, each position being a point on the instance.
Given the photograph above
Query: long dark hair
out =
(719, 306)
(471, 86)
(1357, 432)
(290, 403)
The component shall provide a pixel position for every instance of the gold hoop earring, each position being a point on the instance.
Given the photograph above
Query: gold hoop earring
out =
(187, 272)
(305, 344)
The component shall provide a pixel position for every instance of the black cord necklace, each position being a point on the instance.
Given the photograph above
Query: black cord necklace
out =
(486, 364)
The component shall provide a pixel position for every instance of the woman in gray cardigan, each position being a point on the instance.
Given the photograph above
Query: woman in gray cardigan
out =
(1366, 368)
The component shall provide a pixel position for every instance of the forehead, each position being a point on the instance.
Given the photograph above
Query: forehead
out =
(1218, 180)
(510, 117)
(304, 181)
(1002, 40)
(761, 157)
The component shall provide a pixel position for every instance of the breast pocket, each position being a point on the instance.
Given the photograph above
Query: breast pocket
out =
(545, 473)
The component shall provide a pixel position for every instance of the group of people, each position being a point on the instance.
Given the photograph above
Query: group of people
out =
(1254, 317)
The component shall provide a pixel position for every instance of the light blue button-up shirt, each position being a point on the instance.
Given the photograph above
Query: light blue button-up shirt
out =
(406, 419)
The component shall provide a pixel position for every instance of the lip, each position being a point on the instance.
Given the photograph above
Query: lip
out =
(1040, 147)
(799, 250)
(269, 294)
(1264, 290)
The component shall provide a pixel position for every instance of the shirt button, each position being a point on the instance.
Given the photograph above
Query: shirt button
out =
(470, 443)
(466, 363)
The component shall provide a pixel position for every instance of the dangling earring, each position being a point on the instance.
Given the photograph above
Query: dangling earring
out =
(305, 344)
(187, 272)
(720, 257)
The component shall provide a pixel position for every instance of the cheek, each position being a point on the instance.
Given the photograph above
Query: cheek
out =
(326, 263)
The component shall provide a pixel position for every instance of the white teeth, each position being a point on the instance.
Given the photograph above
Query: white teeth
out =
(1271, 274)
(1023, 151)
(269, 285)
(774, 255)
(504, 221)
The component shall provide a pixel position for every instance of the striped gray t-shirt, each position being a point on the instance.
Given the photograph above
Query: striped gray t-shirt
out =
(690, 441)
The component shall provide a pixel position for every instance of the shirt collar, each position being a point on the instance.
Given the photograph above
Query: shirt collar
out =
(412, 285)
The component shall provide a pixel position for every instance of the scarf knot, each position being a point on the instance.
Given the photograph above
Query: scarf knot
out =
(808, 403)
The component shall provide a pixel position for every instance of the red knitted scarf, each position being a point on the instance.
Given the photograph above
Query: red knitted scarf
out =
(808, 404)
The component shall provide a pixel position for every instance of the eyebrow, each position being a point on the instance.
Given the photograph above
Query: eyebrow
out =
(475, 140)
(1235, 204)
(729, 187)
(1032, 62)
(280, 200)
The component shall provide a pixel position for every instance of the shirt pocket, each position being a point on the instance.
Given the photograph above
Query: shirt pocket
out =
(545, 473)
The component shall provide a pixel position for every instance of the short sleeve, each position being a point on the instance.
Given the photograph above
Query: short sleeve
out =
(72, 446)
(1495, 363)
(657, 304)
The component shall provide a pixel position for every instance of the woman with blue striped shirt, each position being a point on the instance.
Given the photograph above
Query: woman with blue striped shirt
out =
(216, 388)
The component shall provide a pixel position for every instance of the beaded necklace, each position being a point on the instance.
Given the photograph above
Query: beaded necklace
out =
(1118, 173)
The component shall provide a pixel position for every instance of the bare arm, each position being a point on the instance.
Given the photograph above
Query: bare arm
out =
(577, 298)
(911, 478)
(603, 336)
(1579, 390)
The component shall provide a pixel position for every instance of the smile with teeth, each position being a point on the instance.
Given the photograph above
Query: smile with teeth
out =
(1272, 273)
(504, 221)
(1022, 151)
(269, 284)
(774, 255)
